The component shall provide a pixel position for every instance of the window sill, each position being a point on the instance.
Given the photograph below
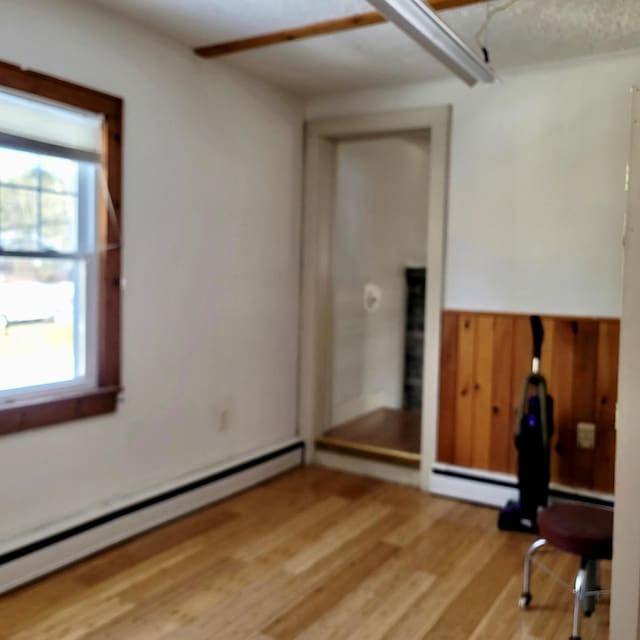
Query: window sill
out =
(38, 413)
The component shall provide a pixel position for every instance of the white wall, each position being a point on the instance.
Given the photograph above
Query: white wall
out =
(212, 177)
(380, 228)
(536, 194)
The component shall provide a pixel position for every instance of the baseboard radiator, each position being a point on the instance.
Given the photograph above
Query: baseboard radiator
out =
(37, 558)
(495, 489)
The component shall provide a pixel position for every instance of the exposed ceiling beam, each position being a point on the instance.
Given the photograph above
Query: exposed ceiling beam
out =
(312, 30)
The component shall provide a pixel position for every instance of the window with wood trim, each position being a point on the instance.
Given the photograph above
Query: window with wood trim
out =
(60, 246)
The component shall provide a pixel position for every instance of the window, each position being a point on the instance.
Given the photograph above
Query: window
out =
(60, 243)
(47, 271)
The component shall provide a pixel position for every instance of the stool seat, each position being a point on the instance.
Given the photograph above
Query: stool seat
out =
(581, 529)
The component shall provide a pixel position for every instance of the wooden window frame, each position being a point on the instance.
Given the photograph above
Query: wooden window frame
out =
(101, 399)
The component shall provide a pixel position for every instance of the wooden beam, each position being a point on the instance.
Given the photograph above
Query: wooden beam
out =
(289, 35)
(312, 30)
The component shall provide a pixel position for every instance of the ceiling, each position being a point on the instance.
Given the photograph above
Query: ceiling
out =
(531, 32)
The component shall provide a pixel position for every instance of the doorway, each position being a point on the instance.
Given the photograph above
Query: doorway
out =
(378, 298)
(321, 405)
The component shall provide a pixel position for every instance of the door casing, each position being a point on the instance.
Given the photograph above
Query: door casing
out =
(321, 140)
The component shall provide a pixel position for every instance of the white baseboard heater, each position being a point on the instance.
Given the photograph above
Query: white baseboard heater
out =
(494, 489)
(37, 558)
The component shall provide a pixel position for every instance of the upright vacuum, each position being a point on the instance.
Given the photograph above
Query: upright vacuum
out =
(534, 429)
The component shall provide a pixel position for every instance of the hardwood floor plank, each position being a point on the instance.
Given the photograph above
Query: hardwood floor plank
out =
(358, 605)
(360, 551)
(114, 561)
(311, 555)
(392, 607)
(351, 551)
(357, 521)
(416, 525)
(295, 620)
(426, 611)
(291, 528)
(75, 621)
(244, 613)
(167, 603)
(466, 611)
(495, 622)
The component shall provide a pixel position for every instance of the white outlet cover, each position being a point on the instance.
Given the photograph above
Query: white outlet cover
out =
(586, 435)
(372, 297)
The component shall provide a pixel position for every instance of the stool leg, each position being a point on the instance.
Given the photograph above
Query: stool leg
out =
(577, 603)
(592, 583)
(525, 598)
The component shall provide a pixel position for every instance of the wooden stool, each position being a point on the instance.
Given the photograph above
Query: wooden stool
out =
(584, 531)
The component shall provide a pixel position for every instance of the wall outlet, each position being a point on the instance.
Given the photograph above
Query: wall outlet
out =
(224, 421)
(372, 297)
(586, 435)
(221, 413)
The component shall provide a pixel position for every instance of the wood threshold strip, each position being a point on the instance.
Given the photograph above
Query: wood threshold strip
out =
(405, 458)
(312, 30)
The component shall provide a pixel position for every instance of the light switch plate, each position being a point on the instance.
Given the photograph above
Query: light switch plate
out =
(586, 435)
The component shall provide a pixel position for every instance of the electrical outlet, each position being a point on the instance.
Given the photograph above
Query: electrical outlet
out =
(221, 414)
(586, 435)
(225, 420)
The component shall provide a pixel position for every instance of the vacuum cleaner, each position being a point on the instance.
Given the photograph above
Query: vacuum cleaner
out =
(533, 432)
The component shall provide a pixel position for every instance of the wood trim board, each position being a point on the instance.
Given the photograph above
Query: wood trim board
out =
(313, 30)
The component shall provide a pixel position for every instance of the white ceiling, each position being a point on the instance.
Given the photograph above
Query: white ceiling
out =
(531, 32)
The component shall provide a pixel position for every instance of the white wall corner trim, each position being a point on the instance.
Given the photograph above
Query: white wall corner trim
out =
(625, 580)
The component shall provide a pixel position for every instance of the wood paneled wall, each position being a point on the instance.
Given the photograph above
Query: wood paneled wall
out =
(484, 359)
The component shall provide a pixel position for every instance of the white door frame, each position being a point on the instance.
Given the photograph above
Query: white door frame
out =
(625, 579)
(321, 140)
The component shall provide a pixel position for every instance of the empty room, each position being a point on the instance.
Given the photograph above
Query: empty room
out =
(319, 320)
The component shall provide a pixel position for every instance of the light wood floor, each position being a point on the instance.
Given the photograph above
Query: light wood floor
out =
(313, 554)
(392, 435)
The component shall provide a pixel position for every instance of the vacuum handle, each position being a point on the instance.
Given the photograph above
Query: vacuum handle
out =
(538, 336)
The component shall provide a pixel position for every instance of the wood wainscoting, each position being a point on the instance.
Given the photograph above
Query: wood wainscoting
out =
(484, 359)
